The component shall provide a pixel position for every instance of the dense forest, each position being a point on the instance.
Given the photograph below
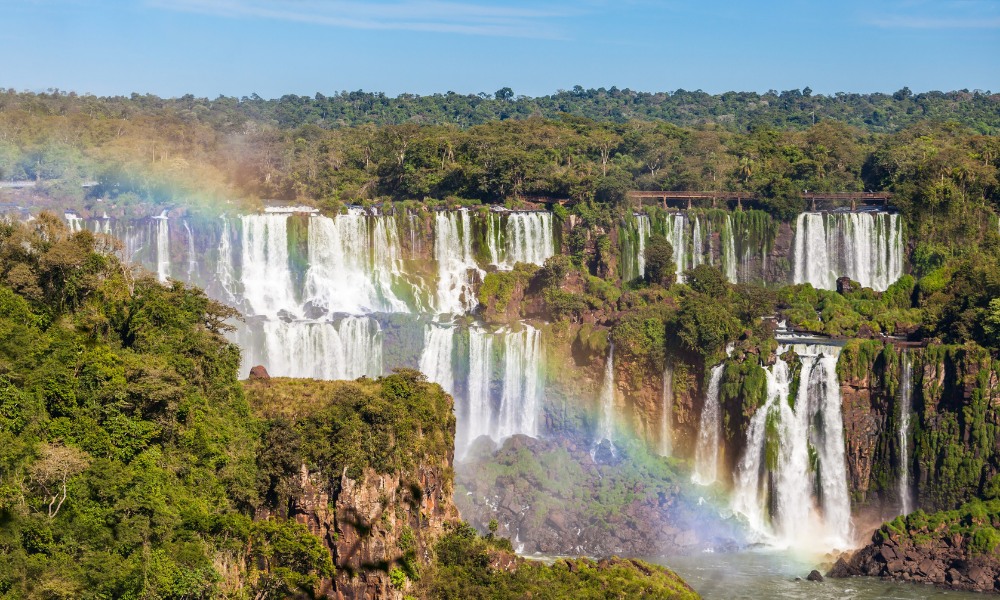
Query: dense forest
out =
(187, 151)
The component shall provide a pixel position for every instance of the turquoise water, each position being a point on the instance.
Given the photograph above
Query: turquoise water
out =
(771, 574)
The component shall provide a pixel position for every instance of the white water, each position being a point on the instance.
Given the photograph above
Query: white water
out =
(192, 254)
(511, 362)
(74, 222)
(666, 412)
(436, 357)
(162, 247)
(347, 349)
(906, 400)
(729, 259)
(225, 273)
(676, 236)
(453, 252)
(606, 401)
(643, 228)
(529, 238)
(351, 268)
(867, 247)
(266, 272)
(706, 456)
(480, 407)
(520, 399)
(811, 505)
(697, 247)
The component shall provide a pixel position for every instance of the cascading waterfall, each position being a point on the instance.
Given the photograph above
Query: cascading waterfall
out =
(697, 247)
(351, 267)
(706, 456)
(906, 400)
(74, 222)
(520, 398)
(480, 407)
(643, 229)
(513, 360)
(436, 358)
(606, 418)
(192, 254)
(729, 259)
(791, 483)
(453, 251)
(666, 415)
(526, 238)
(225, 273)
(266, 272)
(675, 235)
(529, 237)
(865, 246)
(347, 349)
(162, 247)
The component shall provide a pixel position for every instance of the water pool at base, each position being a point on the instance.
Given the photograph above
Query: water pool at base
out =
(771, 574)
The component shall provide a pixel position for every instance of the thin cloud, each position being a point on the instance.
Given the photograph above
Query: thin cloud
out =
(958, 14)
(411, 15)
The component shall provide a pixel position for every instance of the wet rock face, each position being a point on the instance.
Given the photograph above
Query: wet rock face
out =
(946, 561)
(375, 523)
(564, 500)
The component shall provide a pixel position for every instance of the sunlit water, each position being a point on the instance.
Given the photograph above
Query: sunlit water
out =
(767, 574)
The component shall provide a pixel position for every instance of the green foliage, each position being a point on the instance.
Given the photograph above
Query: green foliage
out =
(127, 448)
(660, 268)
(857, 312)
(389, 425)
(465, 568)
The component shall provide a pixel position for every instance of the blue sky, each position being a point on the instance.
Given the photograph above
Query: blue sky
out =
(274, 47)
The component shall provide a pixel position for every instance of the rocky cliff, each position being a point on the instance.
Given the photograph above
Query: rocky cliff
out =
(367, 467)
(954, 549)
(951, 440)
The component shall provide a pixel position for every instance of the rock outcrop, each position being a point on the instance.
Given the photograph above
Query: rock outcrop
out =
(564, 501)
(946, 560)
(376, 523)
(366, 466)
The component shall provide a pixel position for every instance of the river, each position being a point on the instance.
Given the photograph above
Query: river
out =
(771, 574)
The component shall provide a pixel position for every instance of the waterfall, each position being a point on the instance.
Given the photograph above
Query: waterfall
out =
(675, 230)
(225, 273)
(512, 359)
(906, 400)
(706, 457)
(347, 349)
(697, 247)
(643, 229)
(520, 397)
(606, 422)
(750, 489)
(352, 267)
(162, 247)
(527, 238)
(192, 254)
(436, 358)
(453, 252)
(478, 422)
(865, 246)
(728, 243)
(791, 483)
(666, 413)
(74, 222)
(266, 271)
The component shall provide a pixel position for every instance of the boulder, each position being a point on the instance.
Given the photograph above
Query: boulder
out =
(259, 372)
(814, 575)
